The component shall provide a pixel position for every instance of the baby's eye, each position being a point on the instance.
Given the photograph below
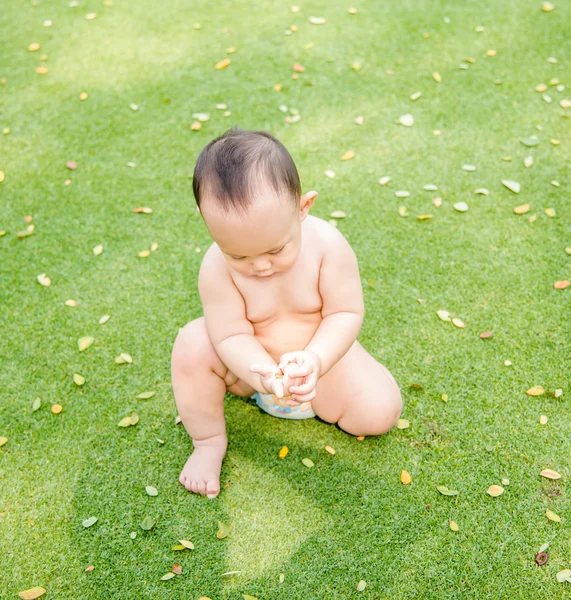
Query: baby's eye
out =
(274, 253)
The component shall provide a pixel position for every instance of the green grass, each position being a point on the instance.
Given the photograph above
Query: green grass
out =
(349, 518)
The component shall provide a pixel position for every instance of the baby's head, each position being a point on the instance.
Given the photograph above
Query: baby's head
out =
(247, 189)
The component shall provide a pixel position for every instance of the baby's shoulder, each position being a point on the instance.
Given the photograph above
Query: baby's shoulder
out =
(325, 234)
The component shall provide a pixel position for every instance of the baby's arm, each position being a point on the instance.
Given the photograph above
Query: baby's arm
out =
(343, 306)
(230, 332)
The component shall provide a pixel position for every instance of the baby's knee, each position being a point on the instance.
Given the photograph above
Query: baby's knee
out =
(192, 346)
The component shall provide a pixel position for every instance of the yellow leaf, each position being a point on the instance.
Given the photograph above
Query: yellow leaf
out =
(2, 176)
(283, 452)
(84, 343)
(44, 280)
(454, 526)
(223, 530)
(458, 322)
(167, 576)
(436, 76)
(549, 474)
(361, 585)
(71, 302)
(187, 544)
(33, 47)
(57, 408)
(83, 96)
(32, 593)
(308, 462)
(104, 319)
(536, 390)
(443, 314)
(223, 63)
(552, 516)
(495, 490)
(405, 477)
(144, 253)
(491, 52)
(330, 450)
(41, 70)
(547, 7)
(402, 211)
(522, 209)
(423, 217)
(79, 380)
(98, 250)
(338, 214)
(3, 440)
(348, 155)
(550, 212)
(543, 419)
(403, 424)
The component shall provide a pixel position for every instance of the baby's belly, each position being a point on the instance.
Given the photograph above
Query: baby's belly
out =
(287, 334)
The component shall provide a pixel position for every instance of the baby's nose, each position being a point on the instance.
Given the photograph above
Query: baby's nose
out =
(262, 266)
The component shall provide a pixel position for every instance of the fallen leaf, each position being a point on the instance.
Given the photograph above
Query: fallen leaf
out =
(454, 526)
(32, 593)
(308, 462)
(468, 168)
(104, 319)
(486, 334)
(348, 155)
(283, 452)
(384, 180)
(513, 186)
(522, 209)
(187, 544)
(549, 474)
(33, 47)
(536, 390)
(423, 217)
(361, 438)
(547, 6)
(550, 212)
(84, 343)
(223, 530)
(127, 421)
(71, 165)
(543, 419)
(98, 250)
(330, 174)
(167, 576)
(430, 187)
(406, 120)
(416, 95)
(552, 516)
(561, 285)
(338, 214)
(528, 161)
(495, 490)
(36, 405)
(458, 322)
(147, 523)
(70, 302)
(443, 314)
(564, 575)
(146, 395)
(461, 206)
(57, 408)
(445, 491)
(531, 141)
(123, 358)
(402, 194)
(402, 211)
(436, 76)
(78, 379)
(83, 96)
(437, 202)
(403, 424)
(361, 585)
(44, 280)
(405, 477)
(330, 450)
(317, 20)
(152, 491)
(143, 209)
(89, 522)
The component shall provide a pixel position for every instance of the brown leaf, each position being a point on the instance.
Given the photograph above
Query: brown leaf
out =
(32, 593)
(561, 285)
(549, 474)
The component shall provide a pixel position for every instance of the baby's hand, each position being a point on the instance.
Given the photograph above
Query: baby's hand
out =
(305, 364)
(270, 383)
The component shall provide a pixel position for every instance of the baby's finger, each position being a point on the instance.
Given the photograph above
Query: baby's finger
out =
(300, 371)
(299, 390)
(304, 398)
(278, 387)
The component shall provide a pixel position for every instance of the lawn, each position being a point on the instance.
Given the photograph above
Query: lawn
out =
(147, 67)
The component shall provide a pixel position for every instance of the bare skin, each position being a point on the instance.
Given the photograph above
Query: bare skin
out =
(345, 384)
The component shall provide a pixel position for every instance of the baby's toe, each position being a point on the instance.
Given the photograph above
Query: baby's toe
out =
(182, 479)
(212, 488)
(202, 487)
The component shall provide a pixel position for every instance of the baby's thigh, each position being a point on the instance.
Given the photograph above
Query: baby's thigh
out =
(193, 349)
(357, 381)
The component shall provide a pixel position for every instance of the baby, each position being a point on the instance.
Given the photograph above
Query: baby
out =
(283, 306)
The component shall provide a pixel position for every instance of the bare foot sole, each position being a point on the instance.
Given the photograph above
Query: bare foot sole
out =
(201, 473)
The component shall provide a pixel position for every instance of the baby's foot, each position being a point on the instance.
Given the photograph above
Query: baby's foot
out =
(201, 473)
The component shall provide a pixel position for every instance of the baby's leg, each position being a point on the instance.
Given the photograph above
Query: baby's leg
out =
(199, 388)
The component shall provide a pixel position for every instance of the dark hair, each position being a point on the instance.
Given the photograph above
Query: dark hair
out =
(229, 166)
